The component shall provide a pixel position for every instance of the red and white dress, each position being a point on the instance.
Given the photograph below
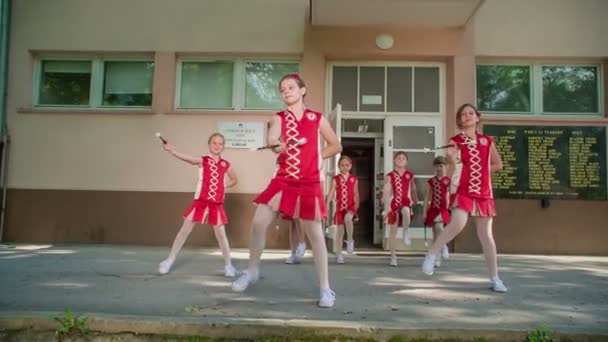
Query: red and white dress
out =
(345, 196)
(208, 204)
(296, 191)
(438, 210)
(471, 185)
(401, 187)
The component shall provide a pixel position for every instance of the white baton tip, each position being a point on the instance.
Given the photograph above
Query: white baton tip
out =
(157, 134)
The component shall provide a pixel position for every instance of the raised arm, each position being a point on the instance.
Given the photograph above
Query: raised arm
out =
(333, 144)
(181, 156)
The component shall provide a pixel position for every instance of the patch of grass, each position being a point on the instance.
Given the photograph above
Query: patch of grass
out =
(540, 334)
(70, 324)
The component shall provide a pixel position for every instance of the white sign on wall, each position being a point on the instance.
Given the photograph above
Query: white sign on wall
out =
(242, 134)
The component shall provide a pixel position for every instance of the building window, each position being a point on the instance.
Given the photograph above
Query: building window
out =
(400, 88)
(93, 83)
(503, 88)
(128, 84)
(539, 89)
(231, 84)
(570, 89)
(65, 83)
(206, 85)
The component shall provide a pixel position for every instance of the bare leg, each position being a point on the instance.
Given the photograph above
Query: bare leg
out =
(181, 238)
(300, 234)
(264, 215)
(484, 233)
(348, 224)
(457, 223)
(314, 231)
(222, 240)
(405, 215)
(392, 240)
(437, 229)
(293, 236)
(339, 239)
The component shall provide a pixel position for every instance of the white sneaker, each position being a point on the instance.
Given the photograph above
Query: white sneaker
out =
(165, 266)
(328, 298)
(393, 261)
(350, 247)
(340, 259)
(498, 286)
(445, 253)
(293, 259)
(437, 262)
(407, 239)
(230, 271)
(301, 250)
(247, 278)
(428, 266)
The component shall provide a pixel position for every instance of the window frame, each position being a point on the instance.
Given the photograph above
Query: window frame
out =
(536, 89)
(97, 80)
(239, 80)
(386, 64)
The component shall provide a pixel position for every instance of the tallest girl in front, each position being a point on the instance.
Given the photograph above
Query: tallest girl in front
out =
(295, 191)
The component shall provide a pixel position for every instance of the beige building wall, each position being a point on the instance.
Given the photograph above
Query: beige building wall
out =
(542, 28)
(130, 191)
(117, 150)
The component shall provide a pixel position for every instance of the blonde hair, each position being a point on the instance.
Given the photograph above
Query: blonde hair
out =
(216, 134)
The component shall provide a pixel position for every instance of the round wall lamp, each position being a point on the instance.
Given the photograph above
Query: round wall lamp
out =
(384, 41)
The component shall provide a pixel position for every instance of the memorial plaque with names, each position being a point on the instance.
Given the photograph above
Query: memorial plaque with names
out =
(567, 162)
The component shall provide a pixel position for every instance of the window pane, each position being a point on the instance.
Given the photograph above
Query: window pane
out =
(128, 83)
(206, 85)
(262, 87)
(503, 88)
(371, 89)
(413, 137)
(399, 89)
(65, 83)
(426, 90)
(570, 89)
(344, 87)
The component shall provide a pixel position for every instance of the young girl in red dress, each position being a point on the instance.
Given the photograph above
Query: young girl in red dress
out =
(208, 204)
(473, 158)
(345, 189)
(436, 203)
(295, 191)
(399, 194)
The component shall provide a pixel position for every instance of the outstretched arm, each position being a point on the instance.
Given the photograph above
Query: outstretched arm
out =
(181, 156)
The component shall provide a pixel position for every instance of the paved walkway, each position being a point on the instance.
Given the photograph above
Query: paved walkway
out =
(569, 294)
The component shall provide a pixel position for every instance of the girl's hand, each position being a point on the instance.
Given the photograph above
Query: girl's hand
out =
(282, 147)
(167, 147)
